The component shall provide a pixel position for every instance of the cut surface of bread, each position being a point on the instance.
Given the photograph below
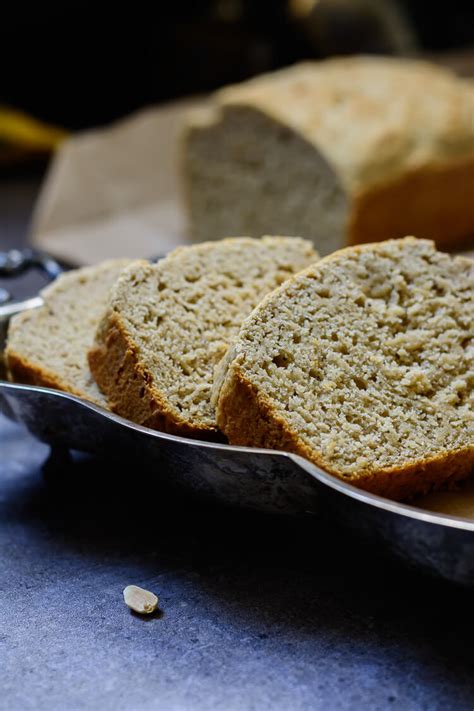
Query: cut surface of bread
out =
(48, 346)
(169, 324)
(363, 364)
(329, 150)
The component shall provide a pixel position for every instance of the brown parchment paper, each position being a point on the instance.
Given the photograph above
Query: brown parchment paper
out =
(116, 191)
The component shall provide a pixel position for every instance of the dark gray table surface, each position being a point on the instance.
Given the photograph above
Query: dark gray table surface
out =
(257, 612)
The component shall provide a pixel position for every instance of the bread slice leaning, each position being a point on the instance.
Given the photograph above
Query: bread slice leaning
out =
(363, 364)
(169, 324)
(48, 346)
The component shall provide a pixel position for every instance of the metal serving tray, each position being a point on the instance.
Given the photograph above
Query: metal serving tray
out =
(258, 479)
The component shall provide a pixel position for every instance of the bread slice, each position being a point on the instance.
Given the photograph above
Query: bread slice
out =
(329, 151)
(48, 345)
(363, 364)
(169, 324)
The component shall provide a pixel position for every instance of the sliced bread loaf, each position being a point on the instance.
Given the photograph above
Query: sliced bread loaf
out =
(329, 150)
(48, 345)
(169, 324)
(363, 364)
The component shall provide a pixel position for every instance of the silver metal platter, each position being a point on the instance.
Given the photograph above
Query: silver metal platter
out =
(258, 479)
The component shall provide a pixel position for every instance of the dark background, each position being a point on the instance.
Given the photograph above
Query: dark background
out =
(83, 63)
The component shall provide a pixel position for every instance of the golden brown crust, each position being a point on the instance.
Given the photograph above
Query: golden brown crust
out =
(247, 417)
(129, 387)
(434, 202)
(262, 427)
(22, 371)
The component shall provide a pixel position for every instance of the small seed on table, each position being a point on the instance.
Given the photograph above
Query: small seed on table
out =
(140, 600)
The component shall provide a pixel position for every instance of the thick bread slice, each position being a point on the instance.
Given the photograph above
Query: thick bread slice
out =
(48, 346)
(364, 364)
(329, 150)
(169, 324)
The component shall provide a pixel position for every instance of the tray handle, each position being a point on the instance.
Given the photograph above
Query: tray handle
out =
(16, 261)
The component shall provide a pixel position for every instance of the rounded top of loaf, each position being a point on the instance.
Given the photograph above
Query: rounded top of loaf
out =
(373, 118)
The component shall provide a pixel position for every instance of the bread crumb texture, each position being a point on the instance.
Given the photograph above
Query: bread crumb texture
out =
(169, 325)
(364, 364)
(48, 345)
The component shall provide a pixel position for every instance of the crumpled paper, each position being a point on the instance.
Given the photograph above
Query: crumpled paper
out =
(116, 191)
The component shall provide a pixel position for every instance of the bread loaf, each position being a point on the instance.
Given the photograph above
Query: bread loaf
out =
(339, 151)
(364, 364)
(169, 324)
(48, 346)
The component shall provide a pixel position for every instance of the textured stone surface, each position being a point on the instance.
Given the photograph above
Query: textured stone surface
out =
(257, 612)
